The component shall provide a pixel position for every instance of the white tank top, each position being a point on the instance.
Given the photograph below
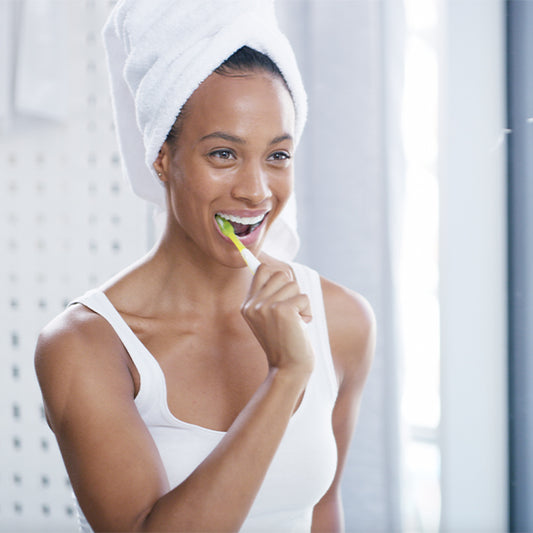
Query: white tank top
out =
(304, 465)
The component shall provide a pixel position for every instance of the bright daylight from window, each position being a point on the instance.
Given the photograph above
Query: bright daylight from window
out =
(419, 298)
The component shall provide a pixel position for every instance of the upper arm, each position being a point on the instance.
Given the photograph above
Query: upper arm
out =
(111, 459)
(352, 331)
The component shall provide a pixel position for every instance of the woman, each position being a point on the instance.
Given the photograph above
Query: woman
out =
(188, 394)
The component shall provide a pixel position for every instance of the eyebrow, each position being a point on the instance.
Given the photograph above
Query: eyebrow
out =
(224, 136)
(239, 140)
(281, 138)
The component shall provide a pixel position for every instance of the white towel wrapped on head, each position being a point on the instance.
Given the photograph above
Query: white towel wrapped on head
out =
(160, 51)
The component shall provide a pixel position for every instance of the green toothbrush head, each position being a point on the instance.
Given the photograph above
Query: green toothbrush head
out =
(228, 231)
(225, 226)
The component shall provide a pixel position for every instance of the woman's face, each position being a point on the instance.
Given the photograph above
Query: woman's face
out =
(233, 157)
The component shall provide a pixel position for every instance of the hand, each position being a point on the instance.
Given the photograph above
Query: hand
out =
(277, 311)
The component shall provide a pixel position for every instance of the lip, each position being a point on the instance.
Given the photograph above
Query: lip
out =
(255, 235)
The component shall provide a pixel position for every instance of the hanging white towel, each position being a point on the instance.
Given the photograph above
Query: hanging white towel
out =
(41, 68)
(7, 66)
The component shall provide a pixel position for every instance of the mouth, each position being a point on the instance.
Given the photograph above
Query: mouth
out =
(244, 226)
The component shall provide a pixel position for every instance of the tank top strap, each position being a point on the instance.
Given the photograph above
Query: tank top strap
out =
(309, 282)
(152, 379)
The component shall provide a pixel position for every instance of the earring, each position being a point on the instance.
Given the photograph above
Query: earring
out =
(159, 174)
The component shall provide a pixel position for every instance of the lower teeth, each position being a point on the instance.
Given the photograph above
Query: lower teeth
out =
(248, 230)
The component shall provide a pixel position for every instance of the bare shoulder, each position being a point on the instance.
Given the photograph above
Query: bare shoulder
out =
(75, 322)
(75, 352)
(352, 330)
(73, 336)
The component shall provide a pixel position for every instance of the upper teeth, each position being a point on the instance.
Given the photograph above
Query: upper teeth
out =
(243, 220)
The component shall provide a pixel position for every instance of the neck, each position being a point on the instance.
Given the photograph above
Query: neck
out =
(181, 276)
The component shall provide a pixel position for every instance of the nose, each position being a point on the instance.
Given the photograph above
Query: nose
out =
(251, 184)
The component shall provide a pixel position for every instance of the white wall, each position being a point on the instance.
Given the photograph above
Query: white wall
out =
(473, 267)
(67, 222)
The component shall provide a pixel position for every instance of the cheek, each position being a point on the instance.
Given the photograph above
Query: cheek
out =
(282, 187)
(187, 198)
(191, 193)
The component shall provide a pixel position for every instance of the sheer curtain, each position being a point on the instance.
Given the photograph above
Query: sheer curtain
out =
(349, 189)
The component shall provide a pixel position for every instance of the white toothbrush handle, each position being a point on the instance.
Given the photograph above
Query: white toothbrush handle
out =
(252, 261)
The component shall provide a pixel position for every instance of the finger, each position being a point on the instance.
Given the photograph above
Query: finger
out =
(303, 305)
(273, 293)
(262, 274)
(268, 280)
(291, 304)
(271, 267)
(270, 297)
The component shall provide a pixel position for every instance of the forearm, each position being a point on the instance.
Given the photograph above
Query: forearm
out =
(328, 515)
(219, 493)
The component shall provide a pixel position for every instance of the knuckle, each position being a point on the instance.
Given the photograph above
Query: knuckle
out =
(289, 273)
(261, 269)
(284, 274)
(281, 308)
(294, 285)
(293, 288)
(246, 308)
(276, 306)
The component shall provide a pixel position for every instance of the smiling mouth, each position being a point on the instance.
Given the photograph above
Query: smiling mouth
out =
(243, 226)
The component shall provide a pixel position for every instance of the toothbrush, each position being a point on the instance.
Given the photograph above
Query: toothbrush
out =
(249, 258)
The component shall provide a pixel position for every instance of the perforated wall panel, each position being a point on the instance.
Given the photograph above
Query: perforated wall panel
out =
(68, 222)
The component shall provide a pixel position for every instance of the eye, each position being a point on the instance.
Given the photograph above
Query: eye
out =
(279, 156)
(222, 154)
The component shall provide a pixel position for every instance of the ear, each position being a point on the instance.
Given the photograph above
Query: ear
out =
(162, 162)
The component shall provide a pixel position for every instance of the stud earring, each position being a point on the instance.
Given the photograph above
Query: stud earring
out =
(159, 174)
